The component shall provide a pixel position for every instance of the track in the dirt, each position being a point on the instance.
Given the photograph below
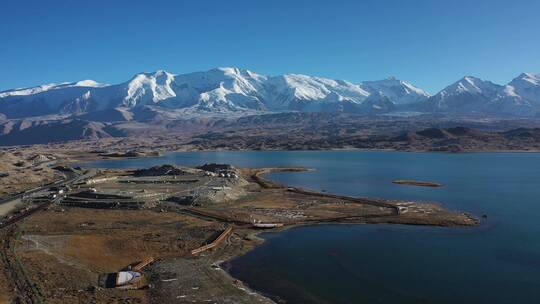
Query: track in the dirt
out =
(25, 290)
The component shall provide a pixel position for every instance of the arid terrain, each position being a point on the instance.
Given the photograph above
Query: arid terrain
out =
(258, 152)
(61, 240)
(64, 229)
(283, 131)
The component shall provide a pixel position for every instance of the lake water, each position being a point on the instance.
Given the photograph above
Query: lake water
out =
(498, 262)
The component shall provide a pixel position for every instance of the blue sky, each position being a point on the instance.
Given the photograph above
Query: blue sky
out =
(427, 42)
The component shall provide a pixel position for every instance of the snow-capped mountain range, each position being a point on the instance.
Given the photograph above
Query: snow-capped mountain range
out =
(225, 90)
(521, 97)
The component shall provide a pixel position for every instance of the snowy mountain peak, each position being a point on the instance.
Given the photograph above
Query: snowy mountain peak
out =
(471, 79)
(474, 95)
(472, 85)
(51, 86)
(231, 89)
(532, 78)
(527, 85)
(397, 91)
(231, 70)
(27, 91)
(144, 88)
(89, 83)
(315, 88)
(149, 75)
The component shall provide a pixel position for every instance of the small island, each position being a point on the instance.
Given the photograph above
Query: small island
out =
(411, 182)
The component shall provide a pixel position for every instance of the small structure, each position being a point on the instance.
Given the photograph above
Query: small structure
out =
(267, 225)
(214, 243)
(94, 181)
(221, 170)
(129, 278)
(259, 224)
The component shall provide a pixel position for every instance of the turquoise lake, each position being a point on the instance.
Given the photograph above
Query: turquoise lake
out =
(497, 262)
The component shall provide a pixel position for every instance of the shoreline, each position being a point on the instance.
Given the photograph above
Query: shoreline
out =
(259, 175)
(81, 157)
(191, 149)
(349, 149)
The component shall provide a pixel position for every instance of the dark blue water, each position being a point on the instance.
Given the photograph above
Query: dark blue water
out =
(498, 262)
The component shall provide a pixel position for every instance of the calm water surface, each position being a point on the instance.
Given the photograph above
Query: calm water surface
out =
(498, 262)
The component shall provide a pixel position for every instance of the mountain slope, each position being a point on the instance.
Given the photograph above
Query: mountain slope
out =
(233, 91)
(471, 95)
(467, 94)
(398, 91)
(310, 94)
(527, 85)
(52, 86)
(220, 90)
(49, 99)
(42, 132)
